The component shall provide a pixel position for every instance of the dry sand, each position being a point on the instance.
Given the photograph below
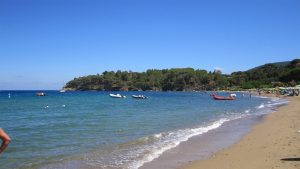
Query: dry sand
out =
(276, 138)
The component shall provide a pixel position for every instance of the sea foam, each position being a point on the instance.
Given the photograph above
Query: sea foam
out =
(164, 142)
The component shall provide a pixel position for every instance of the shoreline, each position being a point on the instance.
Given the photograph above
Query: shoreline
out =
(203, 146)
(200, 146)
(266, 145)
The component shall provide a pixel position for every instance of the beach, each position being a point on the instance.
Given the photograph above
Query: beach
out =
(272, 143)
(160, 132)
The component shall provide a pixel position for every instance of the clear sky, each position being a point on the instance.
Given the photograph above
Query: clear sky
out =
(46, 43)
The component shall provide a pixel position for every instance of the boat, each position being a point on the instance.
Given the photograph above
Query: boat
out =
(216, 97)
(40, 94)
(232, 94)
(62, 91)
(117, 95)
(139, 97)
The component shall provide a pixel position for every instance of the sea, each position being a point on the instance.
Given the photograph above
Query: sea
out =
(90, 129)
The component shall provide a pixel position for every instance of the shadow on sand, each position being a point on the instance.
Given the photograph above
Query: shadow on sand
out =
(290, 159)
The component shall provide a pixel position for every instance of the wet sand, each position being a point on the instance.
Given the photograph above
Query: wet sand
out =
(273, 143)
(204, 145)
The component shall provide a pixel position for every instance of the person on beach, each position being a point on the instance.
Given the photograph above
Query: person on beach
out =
(259, 92)
(5, 140)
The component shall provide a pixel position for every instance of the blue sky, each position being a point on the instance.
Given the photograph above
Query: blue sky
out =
(46, 43)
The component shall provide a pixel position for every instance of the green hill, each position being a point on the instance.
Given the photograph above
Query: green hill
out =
(280, 64)
(187, 79)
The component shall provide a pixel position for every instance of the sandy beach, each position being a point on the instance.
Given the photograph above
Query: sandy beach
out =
(273, 143)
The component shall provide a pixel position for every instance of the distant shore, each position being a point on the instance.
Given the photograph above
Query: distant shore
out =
(274, 143)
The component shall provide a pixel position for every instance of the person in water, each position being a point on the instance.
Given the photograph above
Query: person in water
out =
(5, 140)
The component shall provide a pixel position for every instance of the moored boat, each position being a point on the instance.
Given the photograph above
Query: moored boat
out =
(139, 97)
(40, 94)
(222, 97)
(117, 95)
(232, 94)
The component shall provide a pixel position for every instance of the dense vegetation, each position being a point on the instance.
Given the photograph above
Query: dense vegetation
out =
(187, 79)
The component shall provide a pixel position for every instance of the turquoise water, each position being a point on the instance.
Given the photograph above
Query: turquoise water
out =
(93, 130)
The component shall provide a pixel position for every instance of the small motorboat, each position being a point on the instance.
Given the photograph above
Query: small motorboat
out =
(232, 94)
(62, 91)
(139, 96)
(222, 97)
(117, 96)
(40, 94)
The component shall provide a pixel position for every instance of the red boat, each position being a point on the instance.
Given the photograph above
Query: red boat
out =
(222, 97)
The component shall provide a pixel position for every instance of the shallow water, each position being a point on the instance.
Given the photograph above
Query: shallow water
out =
(92, 130)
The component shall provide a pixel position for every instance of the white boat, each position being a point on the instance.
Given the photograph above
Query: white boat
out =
(41, 94)
(139, 96)
(232, 95)
(62, 91)
(117, 95)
